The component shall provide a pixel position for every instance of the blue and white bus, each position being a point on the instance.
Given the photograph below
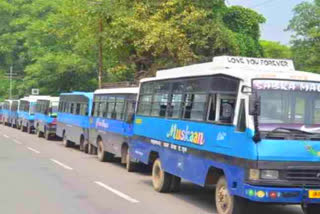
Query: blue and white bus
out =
(73, 118)
(112, 123)
(249, 126)
(46, 117)
(26, 111)
(10, 112)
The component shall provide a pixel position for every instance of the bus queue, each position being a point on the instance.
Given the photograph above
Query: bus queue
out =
(248, 126)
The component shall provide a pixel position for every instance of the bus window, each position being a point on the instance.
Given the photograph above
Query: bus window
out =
(159, 105)
(227, 105)
(212, 108)
(71, 108)
(241, 125)
(119, 108)
(78, 109)
(145, 105)
(175, 107)
(111, 106)
(195, 106)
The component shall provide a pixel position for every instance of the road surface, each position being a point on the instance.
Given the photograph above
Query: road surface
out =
(39, 176)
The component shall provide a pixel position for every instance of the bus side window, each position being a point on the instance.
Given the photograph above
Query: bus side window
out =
(226, 110)
(212, 108)
(241, 124)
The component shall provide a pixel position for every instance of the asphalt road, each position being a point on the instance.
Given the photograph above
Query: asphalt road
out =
(39, 176)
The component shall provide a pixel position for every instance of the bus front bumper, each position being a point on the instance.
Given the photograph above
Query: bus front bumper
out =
(282, 195)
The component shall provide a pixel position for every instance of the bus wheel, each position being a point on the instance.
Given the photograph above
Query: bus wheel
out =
(227, 203)
(103, 156)
(46, 135)
(86, 147)
(175, 184)
(66, 142)
(39, 133)
(22, 128)
(130, 166)
(161, 180)
(29, 129)
(311, 208)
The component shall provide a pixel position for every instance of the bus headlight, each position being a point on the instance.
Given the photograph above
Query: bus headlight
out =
(254, 174)
(269, 174)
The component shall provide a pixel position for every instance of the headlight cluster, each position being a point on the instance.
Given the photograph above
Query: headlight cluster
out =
(256, 174)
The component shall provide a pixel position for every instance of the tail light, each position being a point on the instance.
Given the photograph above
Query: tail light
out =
(54, 122)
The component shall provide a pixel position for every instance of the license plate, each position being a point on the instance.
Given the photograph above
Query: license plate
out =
(314, 193)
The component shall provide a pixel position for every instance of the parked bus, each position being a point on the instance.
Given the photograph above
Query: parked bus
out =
(46, 117)
(249, 126)
(27, 108)
(111, 123)
(73, 118)
(10, 112)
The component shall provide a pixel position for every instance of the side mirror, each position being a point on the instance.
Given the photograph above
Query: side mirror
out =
(130, 118)
(254, 105)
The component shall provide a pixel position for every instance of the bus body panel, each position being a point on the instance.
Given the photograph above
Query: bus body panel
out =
(45, 123)
(74, 125)
(113, 133)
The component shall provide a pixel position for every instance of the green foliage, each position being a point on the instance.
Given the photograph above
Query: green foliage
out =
(275, 50)
(54, 44)
(306, 39)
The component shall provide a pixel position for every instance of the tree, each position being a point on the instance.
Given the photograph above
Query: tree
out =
(275, 50)
(306, 39)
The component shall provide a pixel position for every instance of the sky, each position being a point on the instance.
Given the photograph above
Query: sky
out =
(278, 14)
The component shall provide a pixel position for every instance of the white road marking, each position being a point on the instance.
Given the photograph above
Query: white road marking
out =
(34, 150)
(6, 136)
(61, 164)
(120, 194)
(17, 142)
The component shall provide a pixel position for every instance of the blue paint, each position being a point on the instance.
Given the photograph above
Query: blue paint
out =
(113, 126)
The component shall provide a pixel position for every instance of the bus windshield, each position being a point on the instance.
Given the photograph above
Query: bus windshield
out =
(289, 104)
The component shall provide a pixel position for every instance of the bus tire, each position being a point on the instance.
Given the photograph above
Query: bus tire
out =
(227, 203)
(175, 184)
(39, 133)
(29, 129)
(46, 134)
(86, 147)
(311, 208)
(22, 128)
(81, 147)
(161, 180)
(130, 166)
(103, 156)
(66, 143)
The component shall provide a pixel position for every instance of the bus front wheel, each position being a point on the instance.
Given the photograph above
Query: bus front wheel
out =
(227, 203)
(161, 180)
(311, 209)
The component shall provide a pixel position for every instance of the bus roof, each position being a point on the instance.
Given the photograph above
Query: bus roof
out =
(51, 99)
(242, 68)
(86, 94)
(132, 90)
(34, 98)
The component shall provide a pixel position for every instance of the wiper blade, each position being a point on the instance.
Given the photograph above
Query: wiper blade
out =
(283, 130)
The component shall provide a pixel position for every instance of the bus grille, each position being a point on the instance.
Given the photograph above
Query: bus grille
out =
(306, 177)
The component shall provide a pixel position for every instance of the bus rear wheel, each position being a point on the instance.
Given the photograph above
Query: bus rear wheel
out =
(130, 166)
(103, 156)
(46, 135)
(311, 209)
(161, 180)
(66, 142)
(29, 129)
(227, 203)
(22, 128)
(39, 133)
